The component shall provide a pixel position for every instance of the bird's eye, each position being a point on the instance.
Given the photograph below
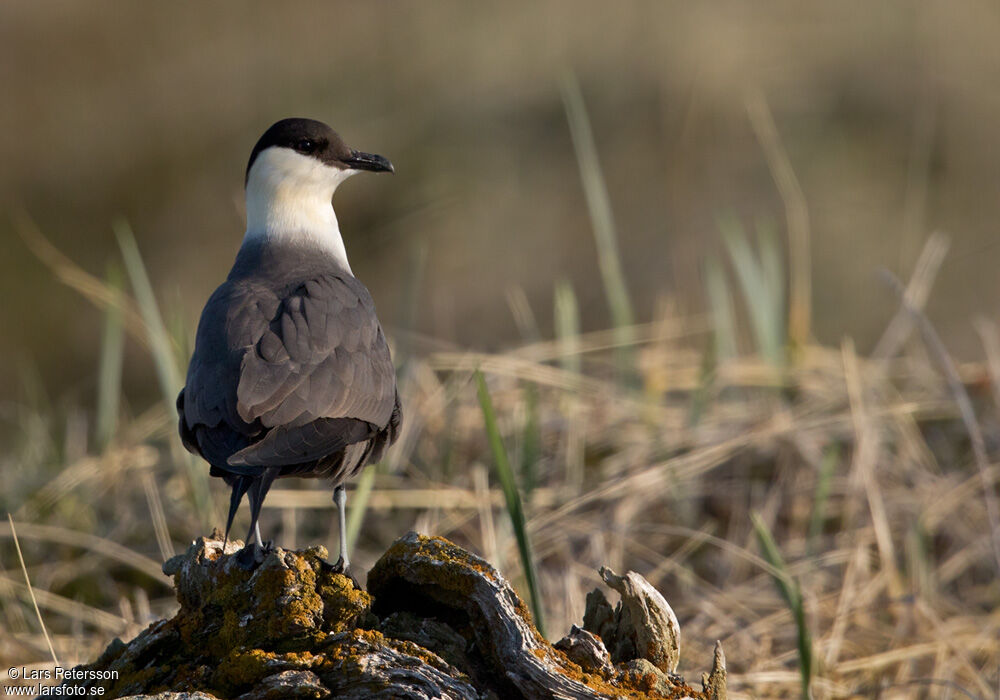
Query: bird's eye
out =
(305, 145)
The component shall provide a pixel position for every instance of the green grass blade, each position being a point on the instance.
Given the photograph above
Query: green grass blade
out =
(822, 494)
(772, 268)
(567, 325)
(178, 330)
(512, 498)
(723, 318)
(764, 304)
(410, 303)
(359, 505)
(167, 371)
(602, 219)
(164, 360)
(920, 559)
(773, 274)
(524, 316)
(790, 591)
(109, 373)
(706, 382)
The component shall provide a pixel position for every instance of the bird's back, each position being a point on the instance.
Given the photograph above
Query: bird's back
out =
(290, 369)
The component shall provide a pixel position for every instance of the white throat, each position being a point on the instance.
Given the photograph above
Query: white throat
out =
(289, 199)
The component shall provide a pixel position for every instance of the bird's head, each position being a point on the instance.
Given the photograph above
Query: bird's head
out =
(292, 174)
(307, 153)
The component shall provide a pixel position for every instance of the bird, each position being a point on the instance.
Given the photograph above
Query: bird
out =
(291, 373)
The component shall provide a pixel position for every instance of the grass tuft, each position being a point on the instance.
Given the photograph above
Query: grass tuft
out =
(31, 591)
(602, 220)
(761, 280)
(109, 373)
(512, 499)
(165, 363)
(566, 314)
(792, 595)
(821, 495)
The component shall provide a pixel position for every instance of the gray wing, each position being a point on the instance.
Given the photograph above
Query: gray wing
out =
(284, 378)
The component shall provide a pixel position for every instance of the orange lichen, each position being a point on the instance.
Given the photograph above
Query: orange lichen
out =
(238, 628)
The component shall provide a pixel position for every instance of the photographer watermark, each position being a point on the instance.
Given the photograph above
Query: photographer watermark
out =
(33, 681)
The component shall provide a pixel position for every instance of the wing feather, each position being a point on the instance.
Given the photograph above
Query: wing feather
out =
(296, 375)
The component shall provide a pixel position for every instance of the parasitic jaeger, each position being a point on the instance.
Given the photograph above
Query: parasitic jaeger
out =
(291, 373)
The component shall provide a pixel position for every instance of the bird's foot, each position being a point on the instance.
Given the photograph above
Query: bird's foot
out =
(343, 568)
(250, 557)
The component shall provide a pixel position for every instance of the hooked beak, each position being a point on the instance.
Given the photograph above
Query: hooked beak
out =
(368, 161)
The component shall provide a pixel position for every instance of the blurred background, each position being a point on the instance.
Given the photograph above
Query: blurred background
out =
(857, 127)
(888, 114)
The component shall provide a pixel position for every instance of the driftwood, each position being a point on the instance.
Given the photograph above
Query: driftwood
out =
(642, 626)
(436, 622)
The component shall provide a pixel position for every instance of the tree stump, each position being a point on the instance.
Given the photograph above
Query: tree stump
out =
(436, 622)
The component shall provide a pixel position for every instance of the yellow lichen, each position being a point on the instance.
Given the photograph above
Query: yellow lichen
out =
(237, 627)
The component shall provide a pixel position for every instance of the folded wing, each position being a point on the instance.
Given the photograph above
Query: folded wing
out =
(288, 377)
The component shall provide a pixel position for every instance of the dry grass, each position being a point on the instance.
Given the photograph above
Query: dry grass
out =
(862, 469)
(875, 473)
(864, 487)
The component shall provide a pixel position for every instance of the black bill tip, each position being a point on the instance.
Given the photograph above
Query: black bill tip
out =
(368, 161)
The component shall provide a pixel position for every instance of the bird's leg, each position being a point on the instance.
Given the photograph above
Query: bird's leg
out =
(340, 498)
(266, 479)
(252, 553)
(247, 557)
(240, 487)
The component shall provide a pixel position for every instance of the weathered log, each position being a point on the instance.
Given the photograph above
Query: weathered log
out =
(586, 650)
(714, 682)
(437, 622)
(645, 620)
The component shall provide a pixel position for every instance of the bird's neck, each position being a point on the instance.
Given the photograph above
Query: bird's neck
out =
(296, 214)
